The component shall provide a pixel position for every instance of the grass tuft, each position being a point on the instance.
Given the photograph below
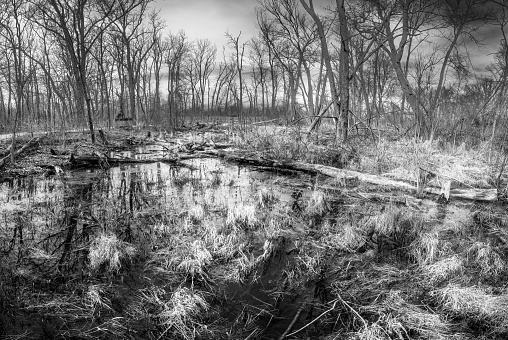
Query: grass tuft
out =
(242, 216)
(476, 304)
(107, 249)
(180, 316)
(317, 204)
(196, 214)
(195, 262)
(487, 259)
(95, 300)
(266, 197)
(425, 248)
(345, 236)
(444, 269)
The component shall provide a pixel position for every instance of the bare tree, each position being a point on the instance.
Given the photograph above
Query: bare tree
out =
(177, 47)
(78, 24)
(15, 30)
(204, 59)
(136, 39)
(343, 76)
(239, 51)
(290, 36)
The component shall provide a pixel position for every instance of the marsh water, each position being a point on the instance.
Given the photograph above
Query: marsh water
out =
(48, 223)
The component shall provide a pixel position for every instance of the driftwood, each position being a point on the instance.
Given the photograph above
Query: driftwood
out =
(487, 195)
(18, 152)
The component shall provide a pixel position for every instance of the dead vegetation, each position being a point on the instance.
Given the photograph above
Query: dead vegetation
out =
(317, 260)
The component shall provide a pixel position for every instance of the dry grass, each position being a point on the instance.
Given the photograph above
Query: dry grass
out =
(266, 197)
(425, 248)
(317, 204)
(180, 316)
(186, 256)
(427, 323)
(196, 214)
(486, 259)
(274, 141)
(475, 303)
(196, 261)
(401, 160)
(242, 216)
(444, 269)
(107, 249)
(95, 300)
(239, 268)
(345, 236)
(397, 319)
(223, 246)
(293, 143)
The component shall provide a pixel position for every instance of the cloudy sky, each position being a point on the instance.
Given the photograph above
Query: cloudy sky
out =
(209, 18)
(212, 18)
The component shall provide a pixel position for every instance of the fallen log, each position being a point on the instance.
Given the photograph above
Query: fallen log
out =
(106, 161)
(485, 195)
(4, 161)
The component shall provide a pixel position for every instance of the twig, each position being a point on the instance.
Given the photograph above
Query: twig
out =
(353, 310)
(316, 319)
(297, 316)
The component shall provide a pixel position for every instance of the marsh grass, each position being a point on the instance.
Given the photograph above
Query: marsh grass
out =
(382, 259)
(95, 300)
(444, 269)
(108, 251)
(224, 246)
(266, 197)
(181, 315)
(412, 318)
(242, 216)
(317, 204)
(403, 158)
(475, 303)
(196, 214)
(195, 262)
(425, 248)
(486, 259)
(292, 143)
(345, 236)
(394, 230)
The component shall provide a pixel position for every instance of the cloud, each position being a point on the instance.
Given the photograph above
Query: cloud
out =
(209, 18)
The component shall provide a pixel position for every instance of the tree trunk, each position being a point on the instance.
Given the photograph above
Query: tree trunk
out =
(326, 57)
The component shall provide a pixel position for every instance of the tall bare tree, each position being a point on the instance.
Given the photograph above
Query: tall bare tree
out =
(78, 25)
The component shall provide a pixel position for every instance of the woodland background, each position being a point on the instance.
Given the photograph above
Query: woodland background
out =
(396, 66)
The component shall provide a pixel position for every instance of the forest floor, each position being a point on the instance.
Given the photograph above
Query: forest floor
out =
(214, 232)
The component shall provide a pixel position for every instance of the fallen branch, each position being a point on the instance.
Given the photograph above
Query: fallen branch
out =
(316, 319)
(297, 316)
(487, 195)
(96, 160)
(30, 143)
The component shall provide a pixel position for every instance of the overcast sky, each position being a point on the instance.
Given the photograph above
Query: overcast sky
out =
(209, 18)
(212, 18)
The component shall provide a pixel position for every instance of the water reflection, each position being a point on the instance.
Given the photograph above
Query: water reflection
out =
(54, 217)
